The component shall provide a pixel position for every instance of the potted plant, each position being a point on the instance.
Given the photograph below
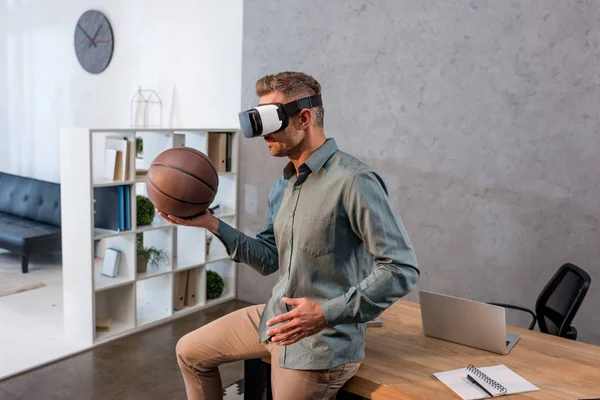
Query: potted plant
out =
(139, 144)
(214, 285)
(147, 255)
(145, 210)
(209, 239)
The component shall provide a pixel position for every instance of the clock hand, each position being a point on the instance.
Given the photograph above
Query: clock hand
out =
(85, 33)
(95, 35)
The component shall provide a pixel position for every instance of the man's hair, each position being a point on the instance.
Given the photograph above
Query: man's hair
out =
(293, 85)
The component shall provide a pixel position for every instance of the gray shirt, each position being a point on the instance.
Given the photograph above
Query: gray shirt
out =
(333, 236)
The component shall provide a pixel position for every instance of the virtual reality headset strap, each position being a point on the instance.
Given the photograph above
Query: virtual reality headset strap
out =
(294, 107)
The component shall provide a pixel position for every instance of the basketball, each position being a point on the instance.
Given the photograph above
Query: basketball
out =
(182, 181)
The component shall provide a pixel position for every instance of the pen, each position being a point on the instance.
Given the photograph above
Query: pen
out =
(472, 380)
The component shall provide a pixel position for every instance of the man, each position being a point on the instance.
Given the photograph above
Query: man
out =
(342, 253)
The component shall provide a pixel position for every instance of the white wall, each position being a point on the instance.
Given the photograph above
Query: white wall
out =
(195, 45)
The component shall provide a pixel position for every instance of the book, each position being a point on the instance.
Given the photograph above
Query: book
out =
(485, 383)
(127, 207)
(122, 161)
(110, 161)
(106, 205)
(110, 264)
(103, 324)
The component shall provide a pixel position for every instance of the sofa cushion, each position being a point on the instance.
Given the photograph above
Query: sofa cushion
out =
(30, 198)
(17, 232)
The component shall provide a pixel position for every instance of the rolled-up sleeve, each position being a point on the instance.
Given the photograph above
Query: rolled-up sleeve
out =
(395, 271)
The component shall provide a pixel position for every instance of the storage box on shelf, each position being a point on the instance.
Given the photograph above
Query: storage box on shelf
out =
(102, 175)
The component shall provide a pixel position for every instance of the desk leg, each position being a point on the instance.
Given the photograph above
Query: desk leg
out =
(257, 380)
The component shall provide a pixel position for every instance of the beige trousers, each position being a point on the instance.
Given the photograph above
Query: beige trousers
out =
(235, 337)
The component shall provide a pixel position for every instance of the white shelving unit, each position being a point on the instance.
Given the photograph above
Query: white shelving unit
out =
(134, 301)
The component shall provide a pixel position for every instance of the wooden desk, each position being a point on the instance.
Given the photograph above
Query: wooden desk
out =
(400, 362)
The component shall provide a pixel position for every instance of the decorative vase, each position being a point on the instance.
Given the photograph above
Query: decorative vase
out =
(142, 263)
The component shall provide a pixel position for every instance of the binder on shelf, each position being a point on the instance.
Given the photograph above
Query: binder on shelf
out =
(190, 292)
(180, 286)
(217, 150)
(473, 383)
(228, 163)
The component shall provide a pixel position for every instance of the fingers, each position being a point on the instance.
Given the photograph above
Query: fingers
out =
(280, 318)
(287, 335)
(293, 302)
(284, 328)
(294, 339)
(171, 218)
(178, 220)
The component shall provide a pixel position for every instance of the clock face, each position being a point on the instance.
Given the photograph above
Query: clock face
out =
(93, 41)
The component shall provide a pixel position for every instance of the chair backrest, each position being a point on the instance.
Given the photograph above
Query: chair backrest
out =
(560, 299)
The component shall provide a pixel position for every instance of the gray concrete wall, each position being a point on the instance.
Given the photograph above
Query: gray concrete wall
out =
(481, 116)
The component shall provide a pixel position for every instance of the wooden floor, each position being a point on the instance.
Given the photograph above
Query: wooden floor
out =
(140, 366)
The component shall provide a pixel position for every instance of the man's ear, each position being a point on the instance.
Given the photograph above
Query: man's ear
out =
(305, 118)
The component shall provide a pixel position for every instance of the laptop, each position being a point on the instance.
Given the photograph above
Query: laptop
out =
(467, 322)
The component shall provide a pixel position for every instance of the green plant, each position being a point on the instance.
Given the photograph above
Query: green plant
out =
(154, 255)
(214, 285)
(139, 144)
(145, 210)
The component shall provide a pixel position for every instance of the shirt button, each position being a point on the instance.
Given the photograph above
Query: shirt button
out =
(291, 214)
(290, 241)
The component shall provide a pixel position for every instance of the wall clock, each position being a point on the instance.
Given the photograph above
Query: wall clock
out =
(93, 41)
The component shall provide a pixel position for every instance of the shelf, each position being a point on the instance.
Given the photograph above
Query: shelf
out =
(226, 269)
(102, 282)
(147, 315)
(117, 304)
(100, 233)
(217, 257)
(98, 182)
(145, 275)
(117, 328)
(222, 299)
(185, 266)
(225, 213)
(134, 301)
(156, 224)
(191, 247)
(154, 299)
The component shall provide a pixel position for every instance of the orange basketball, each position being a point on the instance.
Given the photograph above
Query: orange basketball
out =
(182, 181)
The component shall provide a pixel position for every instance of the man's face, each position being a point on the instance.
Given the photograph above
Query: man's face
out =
(283, 142)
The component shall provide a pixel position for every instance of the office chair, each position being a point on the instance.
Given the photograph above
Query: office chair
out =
(558, 302)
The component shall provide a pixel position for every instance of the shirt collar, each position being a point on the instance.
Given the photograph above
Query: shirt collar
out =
(315, 161)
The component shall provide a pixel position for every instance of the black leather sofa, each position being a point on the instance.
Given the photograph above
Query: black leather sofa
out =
(29, 216)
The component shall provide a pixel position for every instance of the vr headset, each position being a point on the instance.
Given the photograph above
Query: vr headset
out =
(265, 119)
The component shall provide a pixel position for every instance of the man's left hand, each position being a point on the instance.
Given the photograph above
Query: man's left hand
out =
(306, 319)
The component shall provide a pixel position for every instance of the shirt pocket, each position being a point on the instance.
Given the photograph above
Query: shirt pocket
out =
(317, 235)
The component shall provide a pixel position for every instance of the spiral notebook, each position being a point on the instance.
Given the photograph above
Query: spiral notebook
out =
(498, 380)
